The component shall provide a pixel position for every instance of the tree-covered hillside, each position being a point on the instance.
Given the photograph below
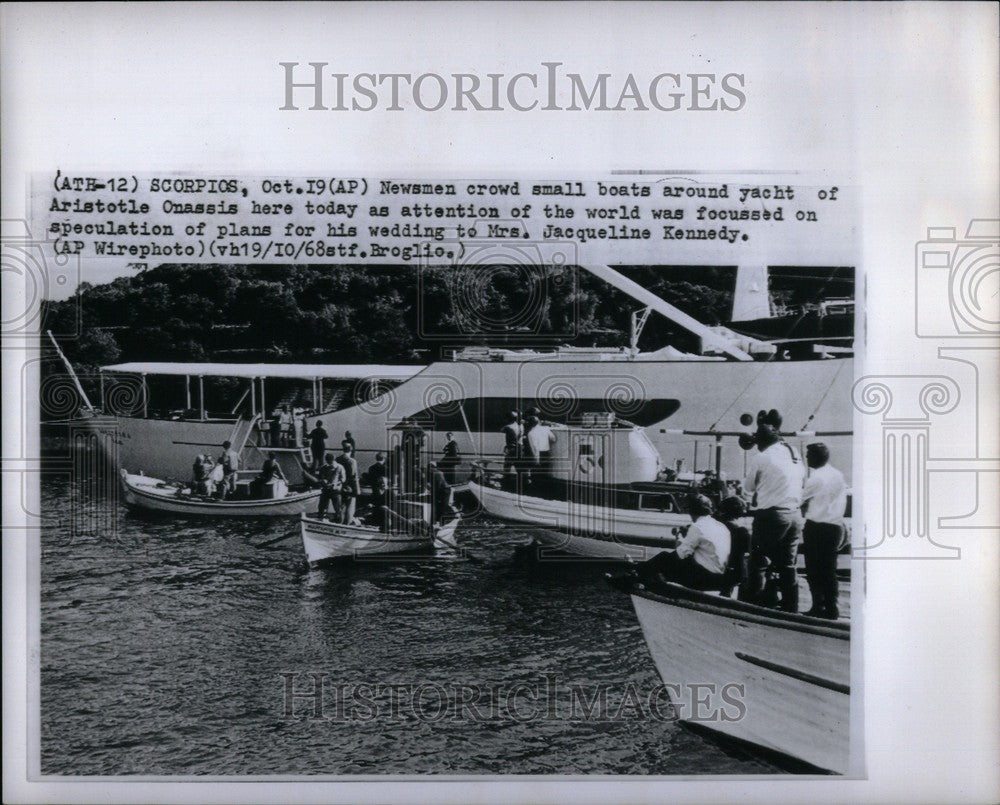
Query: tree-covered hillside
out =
(330, 314)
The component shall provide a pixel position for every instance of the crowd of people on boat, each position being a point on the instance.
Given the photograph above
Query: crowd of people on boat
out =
(341, 483)
(285, 427)
(792, 510)
(339, 478)
(795, 505)
(528, 443)
(216, 477)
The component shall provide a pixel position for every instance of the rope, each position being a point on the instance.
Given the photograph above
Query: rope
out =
(825, 393)
(753, 380)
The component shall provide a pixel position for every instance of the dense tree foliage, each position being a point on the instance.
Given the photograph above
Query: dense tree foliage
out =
(331, 314)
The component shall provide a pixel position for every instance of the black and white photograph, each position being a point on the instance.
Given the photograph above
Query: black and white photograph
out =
(382, 506)
(500, 402)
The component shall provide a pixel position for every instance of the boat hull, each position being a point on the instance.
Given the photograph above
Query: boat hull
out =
(140, 492)
(794, 671)
(323, 540)
(161, 448)
(592, 531)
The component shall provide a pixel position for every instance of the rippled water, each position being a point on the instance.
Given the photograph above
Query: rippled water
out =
(164, 645)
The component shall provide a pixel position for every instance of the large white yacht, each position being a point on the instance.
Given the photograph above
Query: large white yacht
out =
(155, 417)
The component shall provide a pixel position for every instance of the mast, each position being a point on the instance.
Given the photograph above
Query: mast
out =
(651, 300)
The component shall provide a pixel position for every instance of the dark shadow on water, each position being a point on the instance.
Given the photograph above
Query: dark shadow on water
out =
(742, 751)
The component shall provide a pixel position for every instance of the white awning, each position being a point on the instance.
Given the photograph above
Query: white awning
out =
(298, 371)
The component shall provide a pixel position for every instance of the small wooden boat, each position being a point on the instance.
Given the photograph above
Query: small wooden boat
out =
(323, 540)
(154, 495)
(792, 671)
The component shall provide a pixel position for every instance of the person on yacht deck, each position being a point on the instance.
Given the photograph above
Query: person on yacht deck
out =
(299, 424)
(317, 444)
(284, 426)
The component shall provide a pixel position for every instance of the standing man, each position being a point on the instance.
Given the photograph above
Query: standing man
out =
(440, 493)
(352, 483)
(299, 422)
(412, 448)
(331, 478)
(276, 427)
(230, 462)
(378, 479)
(540, 440)
(825, 498)
(317, 444)
(775, 476)
(199, 474)
(450, 461)
(513, 433)
(285, 426)
(349, 437)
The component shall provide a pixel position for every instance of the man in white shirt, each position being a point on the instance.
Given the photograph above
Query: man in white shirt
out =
(825, 498)
(539, 439)
(775, 477)
(699, 560)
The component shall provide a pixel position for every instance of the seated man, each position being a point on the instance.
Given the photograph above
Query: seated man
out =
(699, 560)
(269, 471)
(730, 511)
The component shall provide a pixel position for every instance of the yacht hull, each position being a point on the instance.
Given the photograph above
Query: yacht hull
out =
(445, 396)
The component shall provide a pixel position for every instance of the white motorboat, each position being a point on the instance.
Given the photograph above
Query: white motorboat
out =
(155, 495)
(792, 672)
(589, 529)
(598, 495)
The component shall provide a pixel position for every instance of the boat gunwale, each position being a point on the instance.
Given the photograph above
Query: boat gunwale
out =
(364, 531)
(625, 488)
(358, 532)
(676, 595)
